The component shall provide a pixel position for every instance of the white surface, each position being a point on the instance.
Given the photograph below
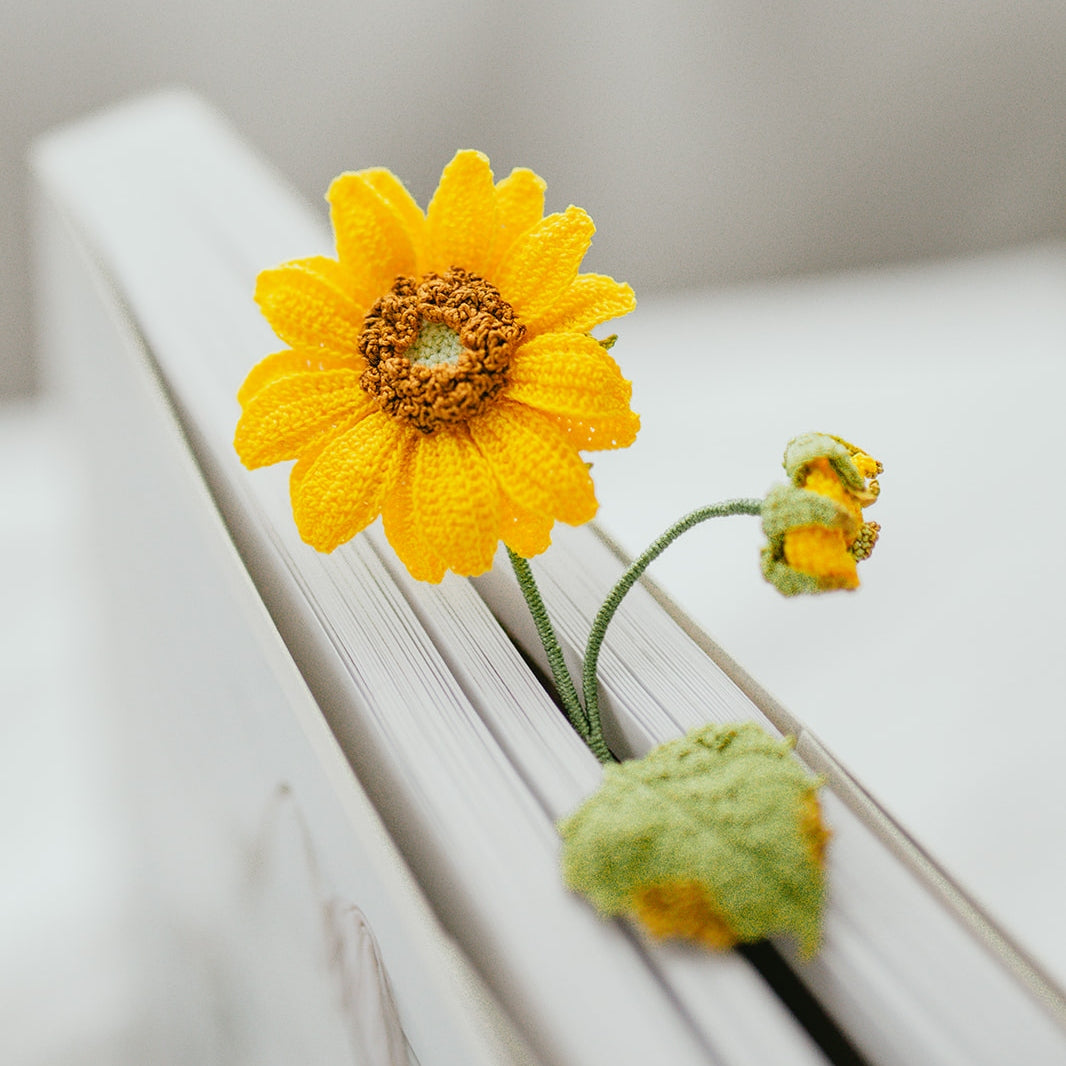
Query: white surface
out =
(940, 683)
(66, 965)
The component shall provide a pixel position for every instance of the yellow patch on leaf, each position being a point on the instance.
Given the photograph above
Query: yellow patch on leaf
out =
(683, 911)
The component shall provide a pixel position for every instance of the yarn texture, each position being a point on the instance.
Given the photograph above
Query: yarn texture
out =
(815, 526)
(716, 837)
(440, 371)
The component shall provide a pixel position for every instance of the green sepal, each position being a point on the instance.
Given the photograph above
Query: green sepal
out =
(787, 507)
(720, 807)
(801, 451)
(787, 581)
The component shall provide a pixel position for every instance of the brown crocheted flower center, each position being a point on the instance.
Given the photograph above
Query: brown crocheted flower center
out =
(438, 350)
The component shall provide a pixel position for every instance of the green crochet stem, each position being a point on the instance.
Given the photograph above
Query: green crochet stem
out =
(564, 683)
(586, 720)
(629, 579)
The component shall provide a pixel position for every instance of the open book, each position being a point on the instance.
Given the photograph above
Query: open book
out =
(153, 222)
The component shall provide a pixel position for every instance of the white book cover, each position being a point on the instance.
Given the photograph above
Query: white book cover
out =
(451, 735)
(178, 217)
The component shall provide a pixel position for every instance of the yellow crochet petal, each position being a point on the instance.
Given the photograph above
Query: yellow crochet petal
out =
(373, 241)
(316, 447)
(309, 454)
(568, 374)
(600, 433)
(341, 492)
(534, 463)
(519, 205)
(522, 531)
(456, 502)
(822, 553)
(286, 364)
(413, 550)
(461, 218)
(395, 194)
(590, 300)
(543, 262)
(283, 418)
(821, 478)
(308, 304)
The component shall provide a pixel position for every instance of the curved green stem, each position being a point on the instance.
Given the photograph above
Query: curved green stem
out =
(629, 579)
(564, 683)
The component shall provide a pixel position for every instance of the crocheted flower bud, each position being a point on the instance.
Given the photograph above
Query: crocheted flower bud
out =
(716, 837)
(851, 464)
(815, 526)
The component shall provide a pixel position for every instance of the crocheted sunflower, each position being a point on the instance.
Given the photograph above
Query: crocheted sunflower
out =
(440, 371)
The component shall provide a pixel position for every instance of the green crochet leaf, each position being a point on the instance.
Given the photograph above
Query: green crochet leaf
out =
(717, 830)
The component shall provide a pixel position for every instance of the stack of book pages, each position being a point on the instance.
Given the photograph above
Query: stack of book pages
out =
(347, 782)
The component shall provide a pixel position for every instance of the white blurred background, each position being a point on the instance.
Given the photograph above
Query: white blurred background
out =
(711, 140)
